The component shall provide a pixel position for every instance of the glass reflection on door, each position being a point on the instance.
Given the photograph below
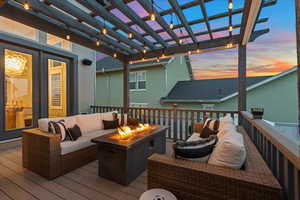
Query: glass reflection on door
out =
(57, 97)
(18, 90)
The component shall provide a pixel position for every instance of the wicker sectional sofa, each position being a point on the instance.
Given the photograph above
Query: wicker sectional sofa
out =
(45, 154)
(191, 180)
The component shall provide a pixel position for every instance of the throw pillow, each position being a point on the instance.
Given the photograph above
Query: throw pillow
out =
(75, 132)
(229, 152)
(58, 128)
(110, 124)
(208, 129)
(195, 149)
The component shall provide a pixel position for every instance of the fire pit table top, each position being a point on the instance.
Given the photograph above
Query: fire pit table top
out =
(126, 143)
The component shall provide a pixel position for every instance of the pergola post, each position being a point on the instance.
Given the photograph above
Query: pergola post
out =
(297, 7)
(242, 106)
(125, 86)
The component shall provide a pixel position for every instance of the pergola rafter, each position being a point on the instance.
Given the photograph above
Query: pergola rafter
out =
(98, 9)
(85, 23)
(205, 16)
(147, 6)
(134, 17)
(183, 19)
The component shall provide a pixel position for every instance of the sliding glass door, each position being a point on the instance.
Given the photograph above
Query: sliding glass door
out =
(19, 78)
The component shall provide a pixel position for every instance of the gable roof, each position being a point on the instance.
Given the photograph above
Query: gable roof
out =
(108, 63)
(212, 90)
(215, 90)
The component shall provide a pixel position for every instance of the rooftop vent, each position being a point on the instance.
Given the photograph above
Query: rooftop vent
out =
(104, 3)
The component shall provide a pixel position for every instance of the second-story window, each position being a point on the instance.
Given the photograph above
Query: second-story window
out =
(137, 80)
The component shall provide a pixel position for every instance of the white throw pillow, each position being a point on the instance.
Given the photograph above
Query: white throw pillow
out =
(229, 152)
(225, 120)
(227, 128)
(89, 123)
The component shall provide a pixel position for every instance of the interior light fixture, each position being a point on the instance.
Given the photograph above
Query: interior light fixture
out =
(26, 5)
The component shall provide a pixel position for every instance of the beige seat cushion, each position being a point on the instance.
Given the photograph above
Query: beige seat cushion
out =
(82, 142)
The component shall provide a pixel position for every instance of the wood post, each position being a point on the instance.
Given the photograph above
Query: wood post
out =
(175, 131)
(297, 7)
(242, 106)
(125, 87)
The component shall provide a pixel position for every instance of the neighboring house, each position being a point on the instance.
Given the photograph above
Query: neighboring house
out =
(148, 81)
(276, 94)
(44, 77)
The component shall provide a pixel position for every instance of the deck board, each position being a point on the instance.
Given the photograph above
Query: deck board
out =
(18, 183)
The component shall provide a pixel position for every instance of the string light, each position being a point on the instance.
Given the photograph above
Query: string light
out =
(229, 45)
(144, 50)
(68, 37)
(130, 35)
(180, 41)
(143, 59)
(189, 52)
(198, 51)
(130, 62)
(152, 14)
(98, 43)
(230, 5)
(26, 5)
(171, 23)
(115, 55)
(230, 28)
(104, 31)
(157, 59)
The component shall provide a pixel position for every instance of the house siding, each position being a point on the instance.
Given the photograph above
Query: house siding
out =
(278, 98)
(159, 81)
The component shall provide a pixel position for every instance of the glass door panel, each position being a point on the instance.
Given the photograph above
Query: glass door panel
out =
(57, 88)
(18, 89)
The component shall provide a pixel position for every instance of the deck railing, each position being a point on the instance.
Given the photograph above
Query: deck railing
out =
(180, 121)
(281, 154)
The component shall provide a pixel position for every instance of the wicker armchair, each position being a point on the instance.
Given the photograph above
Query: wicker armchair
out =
(191, 180)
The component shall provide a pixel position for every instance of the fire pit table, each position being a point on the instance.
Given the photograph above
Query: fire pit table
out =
(121, 159)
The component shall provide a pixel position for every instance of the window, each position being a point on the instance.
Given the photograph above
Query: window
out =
(58, 42)
(208, 106)
(139, 105)
(137, 80)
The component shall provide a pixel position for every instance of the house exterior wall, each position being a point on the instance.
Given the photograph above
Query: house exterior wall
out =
(278, 98)
(86, 74)
(159, 81)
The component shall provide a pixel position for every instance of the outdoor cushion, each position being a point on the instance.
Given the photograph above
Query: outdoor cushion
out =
(82, 142)
(43, 123)
(58, 128)
(227, 128)
(225, 120)
(89, 123)
(229, 152)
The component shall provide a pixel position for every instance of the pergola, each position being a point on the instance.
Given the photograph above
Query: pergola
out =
(93, 24)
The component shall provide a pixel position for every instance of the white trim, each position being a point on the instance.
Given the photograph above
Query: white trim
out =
(262, 82)
(10, 140)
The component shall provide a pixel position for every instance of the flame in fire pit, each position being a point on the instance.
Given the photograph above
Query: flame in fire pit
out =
(126, 132)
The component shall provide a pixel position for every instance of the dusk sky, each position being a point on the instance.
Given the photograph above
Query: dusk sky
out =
(270, 54)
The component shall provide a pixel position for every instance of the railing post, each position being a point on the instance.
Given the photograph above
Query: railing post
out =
(175, 122)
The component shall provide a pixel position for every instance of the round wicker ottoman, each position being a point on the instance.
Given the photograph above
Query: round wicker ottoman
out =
(157, 194)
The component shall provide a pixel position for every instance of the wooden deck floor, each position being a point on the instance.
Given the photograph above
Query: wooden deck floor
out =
(17, 183)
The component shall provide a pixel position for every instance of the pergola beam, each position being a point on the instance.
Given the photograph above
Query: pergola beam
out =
(251, 11)
(198, 21)
(98, 9)
(134, 17)
(219, 29)
(297, 13)
(205, 16)
(242, 69)
(182, 18)
(53, 13)
(148, 7)
(183, 49)
(15, 11)
(75, 11)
